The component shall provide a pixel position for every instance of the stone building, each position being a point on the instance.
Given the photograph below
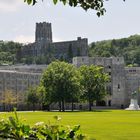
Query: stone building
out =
(124, 80)
(18, 79)
(44, 45)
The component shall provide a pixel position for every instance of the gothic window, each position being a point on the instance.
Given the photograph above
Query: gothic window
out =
(118, 86)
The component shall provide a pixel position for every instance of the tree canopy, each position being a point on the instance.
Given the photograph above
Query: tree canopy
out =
(94, 82)
(9, 99)
(32, 96)
(129, 48)
(97, 5)
(62, 83)
(8, 51)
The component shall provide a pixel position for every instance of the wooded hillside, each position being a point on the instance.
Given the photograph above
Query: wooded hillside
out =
(129, 48)
(8, 51)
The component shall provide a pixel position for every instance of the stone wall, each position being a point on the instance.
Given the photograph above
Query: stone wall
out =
(18, 79)
(114, 66)
(132, 82)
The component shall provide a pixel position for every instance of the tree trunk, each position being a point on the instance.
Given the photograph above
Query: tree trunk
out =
(60, 106)
(33, 107)
(63, 105)
(72, 106)
(89, 106)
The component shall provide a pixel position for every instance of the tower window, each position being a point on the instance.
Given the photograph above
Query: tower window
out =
(118, 87)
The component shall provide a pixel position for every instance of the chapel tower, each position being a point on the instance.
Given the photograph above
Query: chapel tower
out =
(43, 32)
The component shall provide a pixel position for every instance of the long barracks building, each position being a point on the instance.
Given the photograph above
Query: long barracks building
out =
(124, 80)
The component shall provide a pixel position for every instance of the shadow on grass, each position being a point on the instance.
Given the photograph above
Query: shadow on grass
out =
(101, 110)
(78, 111)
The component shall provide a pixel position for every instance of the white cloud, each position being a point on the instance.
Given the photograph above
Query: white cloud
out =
(10, 5)
(24, 39)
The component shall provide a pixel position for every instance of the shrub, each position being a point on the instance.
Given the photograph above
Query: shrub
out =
(14, 129)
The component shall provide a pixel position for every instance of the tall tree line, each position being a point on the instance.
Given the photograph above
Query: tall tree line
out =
(129, 48)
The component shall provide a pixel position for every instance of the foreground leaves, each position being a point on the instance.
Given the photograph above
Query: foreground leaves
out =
(97, 5)
(15, 129)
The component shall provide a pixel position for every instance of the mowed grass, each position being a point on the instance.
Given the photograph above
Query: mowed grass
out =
(100, 125)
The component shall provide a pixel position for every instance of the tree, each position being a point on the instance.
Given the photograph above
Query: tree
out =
(41, 94)
(9, 100)
(8, 51)
(61, 82)
(32, 97)
(97, 5)
(93, 80)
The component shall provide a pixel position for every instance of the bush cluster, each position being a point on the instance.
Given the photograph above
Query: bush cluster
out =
(15, 129)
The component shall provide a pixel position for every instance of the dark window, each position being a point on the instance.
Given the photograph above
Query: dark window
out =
(118, 86)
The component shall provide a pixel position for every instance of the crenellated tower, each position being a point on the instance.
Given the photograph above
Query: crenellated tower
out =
(43, 32)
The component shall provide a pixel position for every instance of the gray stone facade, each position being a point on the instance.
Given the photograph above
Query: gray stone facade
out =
(44, 44)
(124, 80)
(18, 79)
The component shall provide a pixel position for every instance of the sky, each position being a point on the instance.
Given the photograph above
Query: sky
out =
(17, 20)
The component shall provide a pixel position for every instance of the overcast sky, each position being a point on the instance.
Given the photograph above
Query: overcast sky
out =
(17, 20)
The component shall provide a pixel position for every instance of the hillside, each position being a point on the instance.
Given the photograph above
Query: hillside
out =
(8, 51)
(129, 48)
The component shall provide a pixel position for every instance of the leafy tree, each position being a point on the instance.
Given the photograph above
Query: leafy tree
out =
(97, 5)
(9, 51)
(9, 99)
(93, 80)
(32, 97)
(61, 83)
(41, 94)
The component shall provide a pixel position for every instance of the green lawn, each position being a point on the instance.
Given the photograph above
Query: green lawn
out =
(101, 125)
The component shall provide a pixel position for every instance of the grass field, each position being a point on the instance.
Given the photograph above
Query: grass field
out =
(100, 125)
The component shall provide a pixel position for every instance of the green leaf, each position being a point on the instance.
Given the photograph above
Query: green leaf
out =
(64, 2)
(98, 14)
(29, 1)
(55, 1)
